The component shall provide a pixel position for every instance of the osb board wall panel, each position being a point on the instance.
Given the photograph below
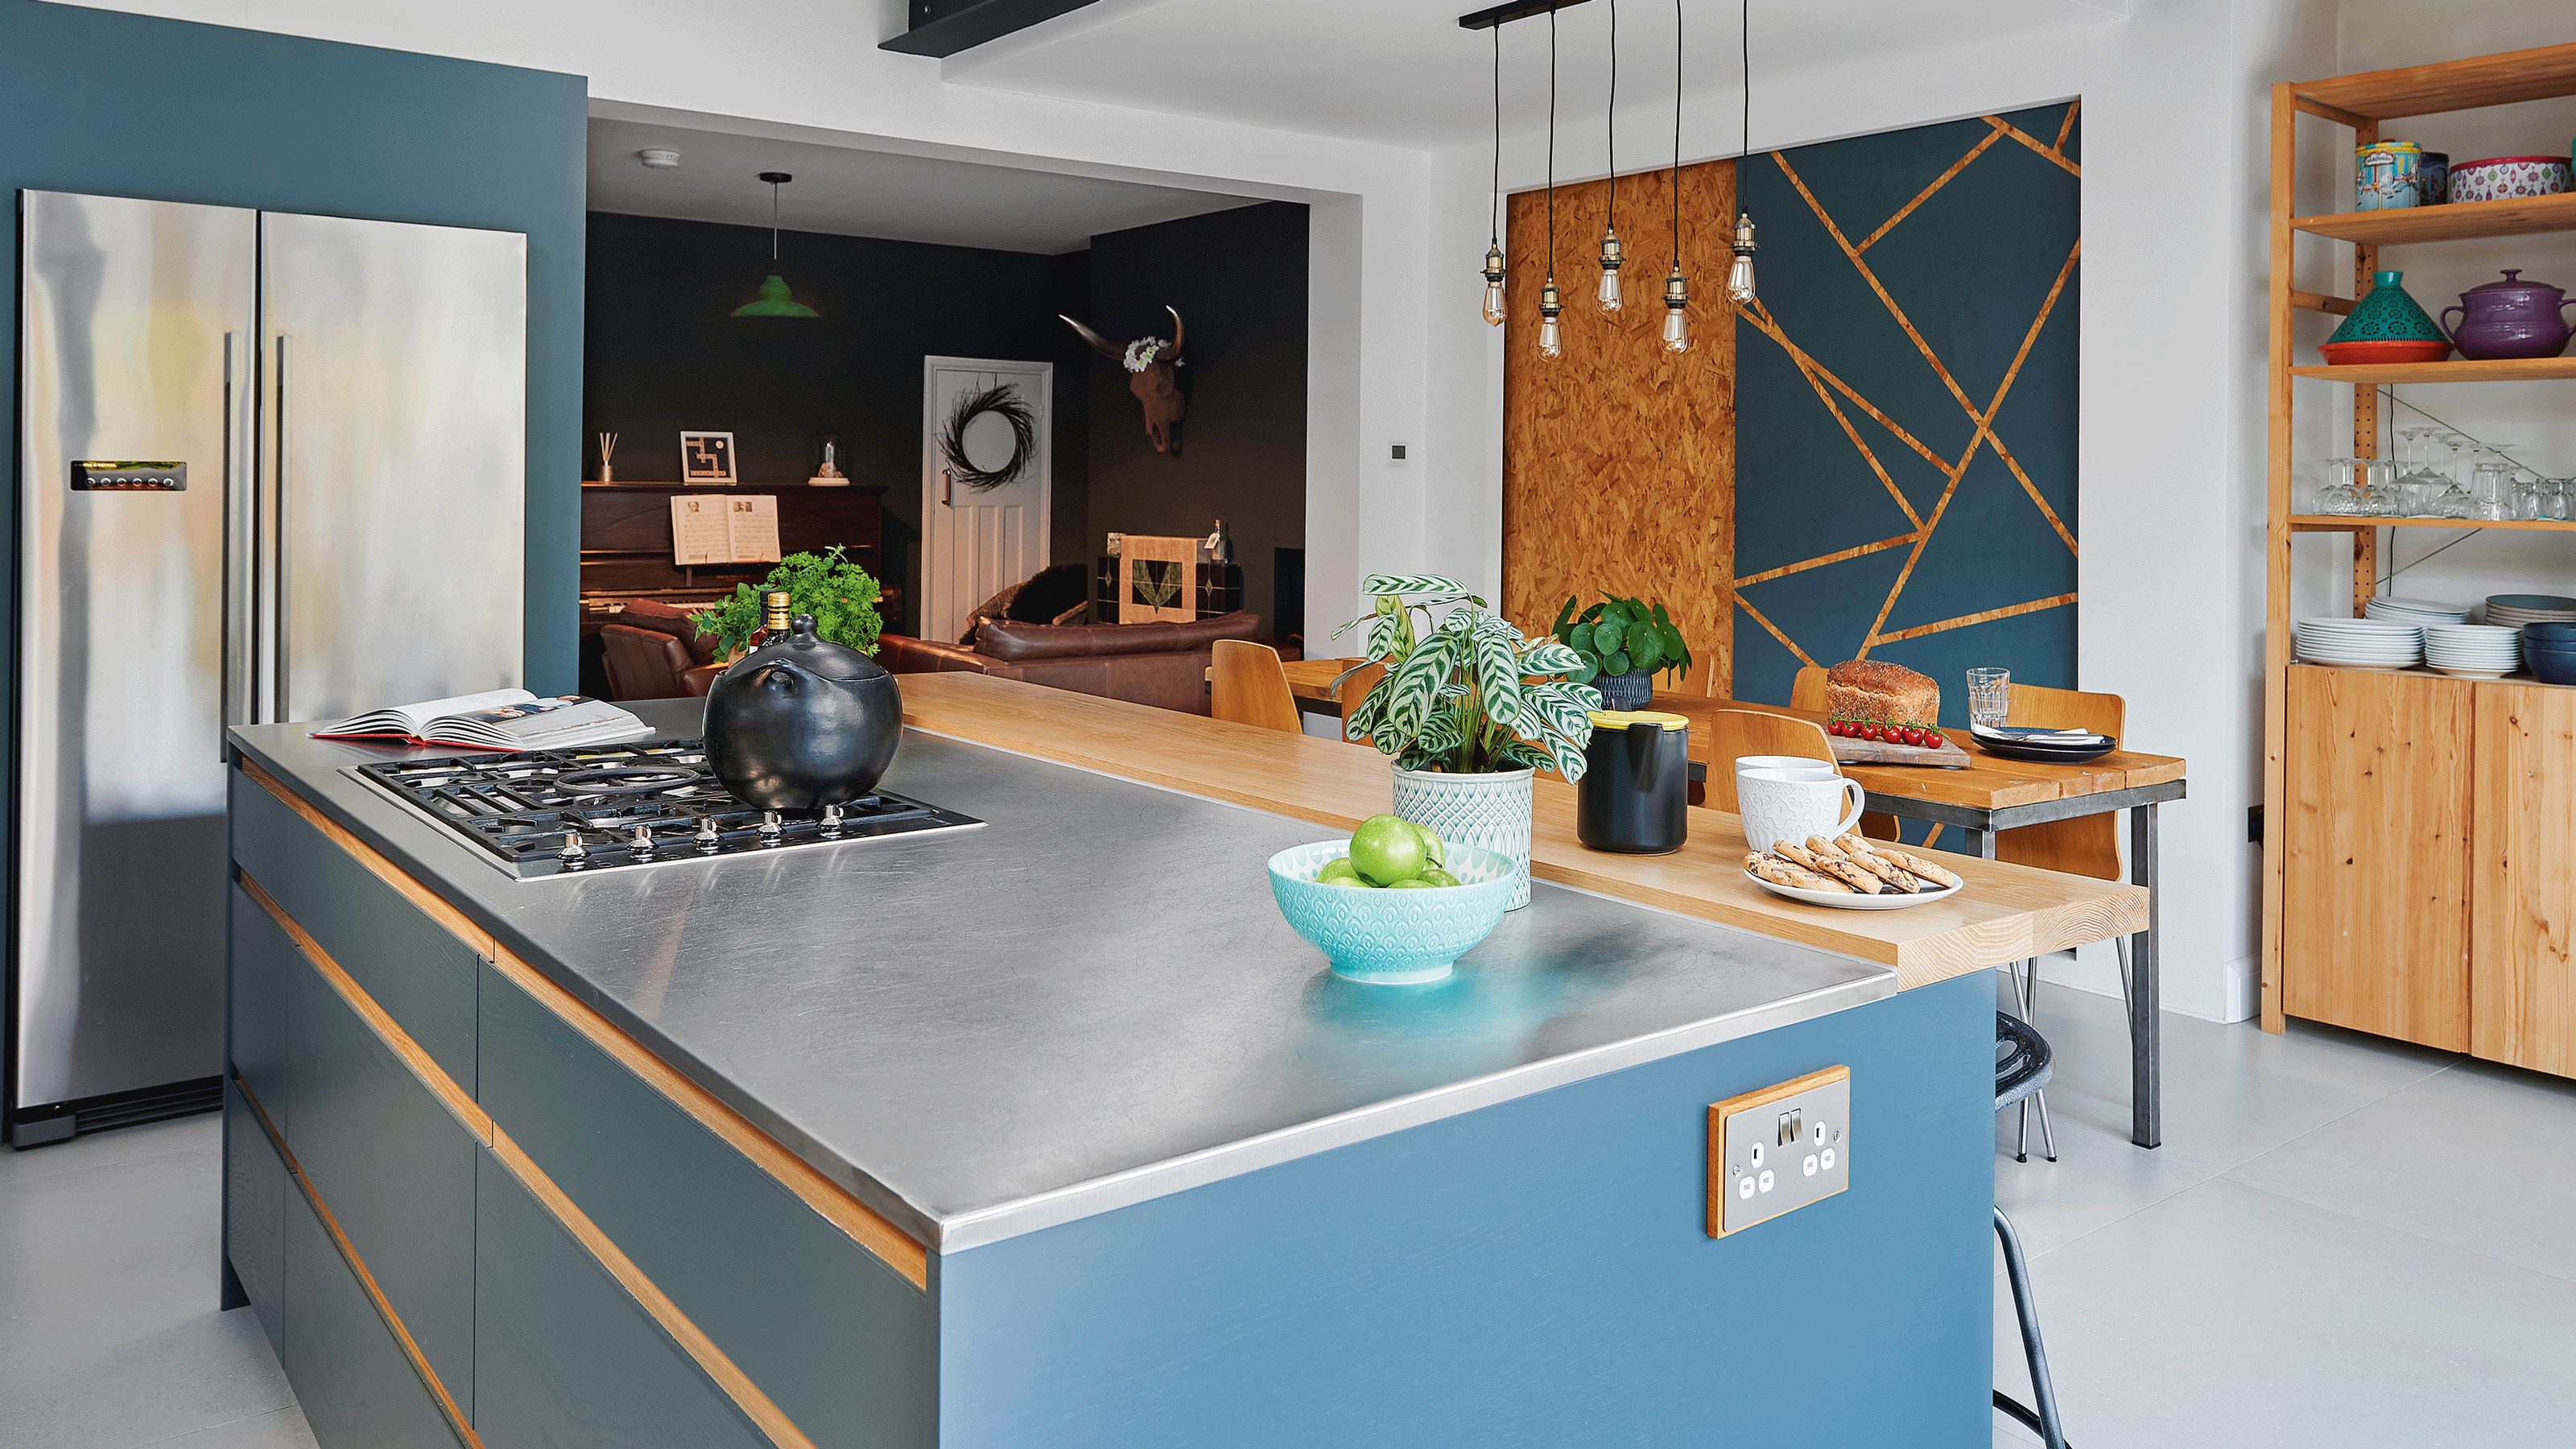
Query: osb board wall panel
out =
(1905, 481)
(1619, 457)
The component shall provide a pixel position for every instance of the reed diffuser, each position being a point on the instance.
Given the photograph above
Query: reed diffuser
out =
(607, 450)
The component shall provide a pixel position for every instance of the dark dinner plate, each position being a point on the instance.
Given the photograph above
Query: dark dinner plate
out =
(2043, 754)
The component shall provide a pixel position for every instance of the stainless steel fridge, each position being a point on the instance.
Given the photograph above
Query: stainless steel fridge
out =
(271, 467)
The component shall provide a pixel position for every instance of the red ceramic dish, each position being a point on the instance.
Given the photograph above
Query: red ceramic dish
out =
(2353, 354)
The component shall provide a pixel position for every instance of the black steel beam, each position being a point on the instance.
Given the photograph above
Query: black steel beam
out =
(1506, 14)
(963, 27)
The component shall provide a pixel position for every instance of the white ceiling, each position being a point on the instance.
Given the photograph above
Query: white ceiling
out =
(1402, 71)
(847, 192)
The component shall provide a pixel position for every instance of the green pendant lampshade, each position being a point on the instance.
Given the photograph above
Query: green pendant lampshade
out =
(774, 299)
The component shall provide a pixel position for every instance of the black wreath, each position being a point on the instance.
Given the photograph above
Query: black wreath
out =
(1004, 400)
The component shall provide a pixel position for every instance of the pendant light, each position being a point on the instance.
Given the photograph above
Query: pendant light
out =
(1739, 275)
(1610, 253)
(1494, 245)
(1676, 290)
(1550, 344)
(774, 299)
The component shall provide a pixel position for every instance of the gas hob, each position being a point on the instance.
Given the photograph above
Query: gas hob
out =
(539, 813)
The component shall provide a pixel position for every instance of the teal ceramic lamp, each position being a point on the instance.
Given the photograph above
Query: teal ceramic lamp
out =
(2387, 314)
(774, 299)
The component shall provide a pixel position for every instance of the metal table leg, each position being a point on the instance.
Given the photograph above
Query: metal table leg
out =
(2146, 1115)
(1979, 843)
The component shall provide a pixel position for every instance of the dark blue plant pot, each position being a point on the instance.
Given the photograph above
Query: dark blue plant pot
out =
(1632, 690)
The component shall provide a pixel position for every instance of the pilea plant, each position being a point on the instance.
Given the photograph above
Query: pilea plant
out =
(1618, 635)
(1466, 692)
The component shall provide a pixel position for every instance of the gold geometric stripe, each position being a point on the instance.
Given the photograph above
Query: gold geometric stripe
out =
(1902, 212)
(1964, 620)
(2066, 128)
(1871, 277)
(1832, 558)
(1986, 422)
(1807, 368)
(2034, 143)
(1785, 641)
(1949, 490)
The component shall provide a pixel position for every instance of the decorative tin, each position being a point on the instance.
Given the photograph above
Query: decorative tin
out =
(2387, 175)
(2499, 177)
(2386, 314)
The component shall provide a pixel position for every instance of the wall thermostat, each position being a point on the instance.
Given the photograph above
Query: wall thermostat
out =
(1778, 1149)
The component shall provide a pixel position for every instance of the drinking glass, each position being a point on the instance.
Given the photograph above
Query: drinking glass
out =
(2491, 493)
(1989, 697)
(2374, 483)
(2421, 481)
(2338, 497)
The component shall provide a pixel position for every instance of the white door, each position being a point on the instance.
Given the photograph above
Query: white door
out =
(985, 488)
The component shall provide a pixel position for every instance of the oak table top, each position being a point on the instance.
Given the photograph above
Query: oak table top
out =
(2007, 913)
(1988, 783)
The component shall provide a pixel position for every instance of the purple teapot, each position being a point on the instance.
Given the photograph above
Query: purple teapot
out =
(2511, 318)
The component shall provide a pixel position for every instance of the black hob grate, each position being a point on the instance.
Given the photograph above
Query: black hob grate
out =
(556, 812)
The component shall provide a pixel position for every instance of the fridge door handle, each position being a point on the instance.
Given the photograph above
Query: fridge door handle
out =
(273, 625)
(232, 683)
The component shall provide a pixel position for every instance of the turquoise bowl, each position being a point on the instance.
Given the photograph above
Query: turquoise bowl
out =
(1393, 938)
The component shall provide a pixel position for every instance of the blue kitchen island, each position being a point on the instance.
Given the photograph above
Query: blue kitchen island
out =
(1047, 1131)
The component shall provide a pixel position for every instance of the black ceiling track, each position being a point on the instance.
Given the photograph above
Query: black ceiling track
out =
(945, 27)
(1506, 14)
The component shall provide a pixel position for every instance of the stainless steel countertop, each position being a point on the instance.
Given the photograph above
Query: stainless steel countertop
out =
(1088, 1002)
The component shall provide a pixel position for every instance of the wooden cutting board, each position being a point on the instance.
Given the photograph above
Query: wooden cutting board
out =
(1870, 752)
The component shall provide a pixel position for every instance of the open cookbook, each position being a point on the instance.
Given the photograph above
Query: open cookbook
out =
(497, 719)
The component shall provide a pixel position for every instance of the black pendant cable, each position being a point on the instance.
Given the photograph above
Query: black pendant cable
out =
(1610, 253)
(1494, 244)
(1550, 344)
(1739, 275)
(1677, 291)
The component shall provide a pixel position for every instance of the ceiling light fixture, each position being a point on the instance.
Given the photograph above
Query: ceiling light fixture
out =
(774, 299)
(1494, 218)
(1610, 254)
(1551, 344)
(1739, 275)
(1676, 290)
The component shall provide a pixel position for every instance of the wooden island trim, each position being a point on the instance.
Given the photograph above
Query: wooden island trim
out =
(2007, 913)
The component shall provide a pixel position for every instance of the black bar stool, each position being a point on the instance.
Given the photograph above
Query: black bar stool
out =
(2022, 1067)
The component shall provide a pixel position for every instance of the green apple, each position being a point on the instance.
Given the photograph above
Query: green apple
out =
(1386, 849)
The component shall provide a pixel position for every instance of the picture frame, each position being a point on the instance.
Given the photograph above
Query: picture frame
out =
(706, 458)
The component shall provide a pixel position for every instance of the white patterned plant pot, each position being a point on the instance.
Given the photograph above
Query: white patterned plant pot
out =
(1492, 811)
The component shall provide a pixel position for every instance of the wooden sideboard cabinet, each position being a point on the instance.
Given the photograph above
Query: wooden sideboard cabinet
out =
(2429, 861)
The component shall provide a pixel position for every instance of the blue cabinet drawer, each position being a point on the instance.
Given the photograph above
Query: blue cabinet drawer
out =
(255, 1191)
(413, 967)
(563, 1356)
(255, 998)
(393, 1165)
(349, 1372)
(841, 1342)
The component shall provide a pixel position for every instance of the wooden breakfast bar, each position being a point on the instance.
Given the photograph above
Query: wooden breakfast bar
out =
(1990, 796)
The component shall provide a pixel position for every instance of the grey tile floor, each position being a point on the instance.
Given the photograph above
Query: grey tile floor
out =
(2344, 1242)
(109, 1338)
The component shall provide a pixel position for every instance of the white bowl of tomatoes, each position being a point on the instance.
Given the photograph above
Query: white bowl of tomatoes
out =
(1873, 731)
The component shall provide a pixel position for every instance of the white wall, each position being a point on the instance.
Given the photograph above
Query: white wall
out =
(810, 70)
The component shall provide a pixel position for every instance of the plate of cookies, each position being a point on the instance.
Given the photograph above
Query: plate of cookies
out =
(1850, 873)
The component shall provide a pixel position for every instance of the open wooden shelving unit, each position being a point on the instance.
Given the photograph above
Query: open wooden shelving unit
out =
(2419, 840)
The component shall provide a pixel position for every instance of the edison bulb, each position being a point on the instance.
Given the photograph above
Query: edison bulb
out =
(1739, 274)
(1611, 257)
(1551, 344)
(1676, 312)
(1494, 284)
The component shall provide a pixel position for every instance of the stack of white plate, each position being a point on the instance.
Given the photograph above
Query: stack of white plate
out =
(2479, 651)
(2512, 611)
(2360, 643)
(2416, 611)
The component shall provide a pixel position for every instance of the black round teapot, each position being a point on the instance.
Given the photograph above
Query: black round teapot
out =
(802, 722)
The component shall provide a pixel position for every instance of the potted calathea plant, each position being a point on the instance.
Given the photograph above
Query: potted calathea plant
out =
(1469, 708)
(1624, 644)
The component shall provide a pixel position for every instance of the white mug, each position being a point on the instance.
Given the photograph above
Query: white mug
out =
(1780, 806)
(1801, 766)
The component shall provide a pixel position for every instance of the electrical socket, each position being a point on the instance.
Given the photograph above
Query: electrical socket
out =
(1778, 1149)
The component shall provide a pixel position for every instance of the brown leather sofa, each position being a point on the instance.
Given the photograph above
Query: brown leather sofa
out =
(653, 650)
(1164, 665)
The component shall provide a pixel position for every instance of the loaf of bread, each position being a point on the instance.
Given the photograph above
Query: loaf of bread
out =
(1877, 692)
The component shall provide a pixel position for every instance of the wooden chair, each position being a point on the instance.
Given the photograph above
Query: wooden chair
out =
(1246, 685)
(1737, 732)
(2088, 845)
(1355, 689)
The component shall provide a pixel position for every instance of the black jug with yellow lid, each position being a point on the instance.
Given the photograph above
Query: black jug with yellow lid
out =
(1635, 795)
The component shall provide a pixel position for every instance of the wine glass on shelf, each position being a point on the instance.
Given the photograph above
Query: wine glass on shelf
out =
(2374, 482)
(2337, 499)
(2416, 479)
(2454, 500)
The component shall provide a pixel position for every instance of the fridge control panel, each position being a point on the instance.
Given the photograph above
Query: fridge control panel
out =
(92, 476)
